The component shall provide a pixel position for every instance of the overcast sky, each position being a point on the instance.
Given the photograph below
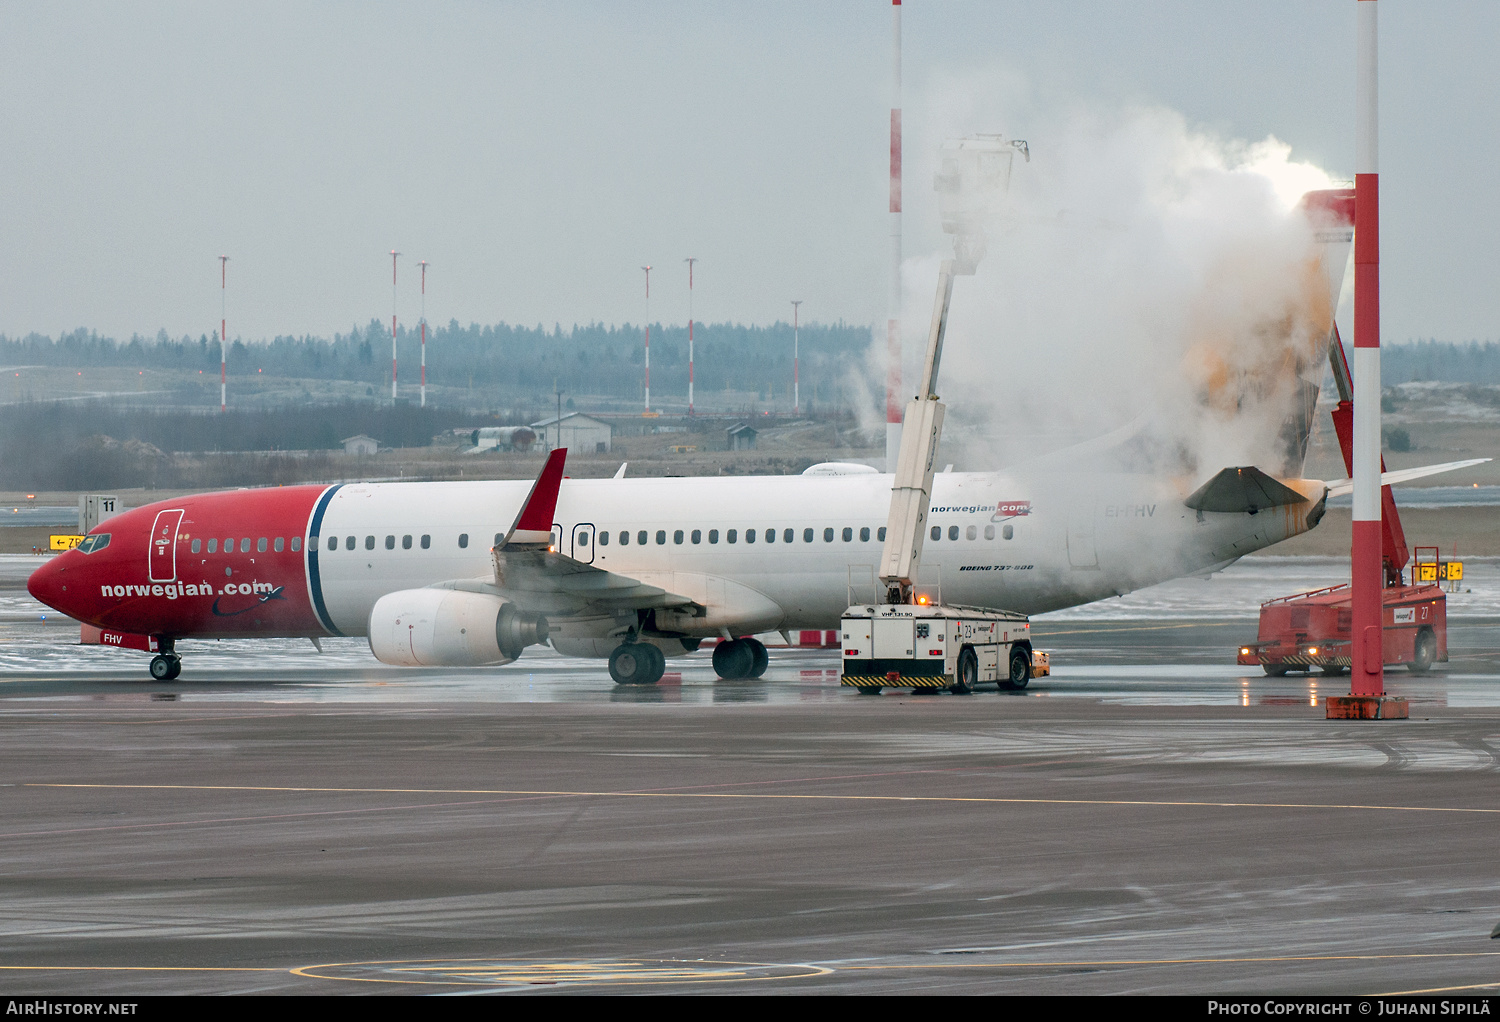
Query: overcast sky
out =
(538, 154)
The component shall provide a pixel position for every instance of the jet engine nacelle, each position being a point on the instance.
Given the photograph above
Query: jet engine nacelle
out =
(450, 628)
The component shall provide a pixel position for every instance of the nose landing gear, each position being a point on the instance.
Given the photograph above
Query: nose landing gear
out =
(166, 666)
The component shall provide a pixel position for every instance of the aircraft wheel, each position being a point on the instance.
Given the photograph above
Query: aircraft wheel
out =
(632, 663)
(762, 658)
(165, 667)
(1020, 670)
(1274, 670)
(1424, 654)
(968, 673)
(176, 668)
(734, 659)
(1333, 670)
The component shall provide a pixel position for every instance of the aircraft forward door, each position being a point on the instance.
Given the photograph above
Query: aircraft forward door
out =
(1081, 550)
(583, 543)
(162, 559)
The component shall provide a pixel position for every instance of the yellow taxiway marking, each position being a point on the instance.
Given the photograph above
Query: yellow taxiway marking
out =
(628, 972)
(722, 795)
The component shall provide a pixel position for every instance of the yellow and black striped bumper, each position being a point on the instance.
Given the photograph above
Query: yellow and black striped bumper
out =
(882, 681)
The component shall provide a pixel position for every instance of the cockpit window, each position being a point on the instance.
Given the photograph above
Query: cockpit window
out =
(96, 542)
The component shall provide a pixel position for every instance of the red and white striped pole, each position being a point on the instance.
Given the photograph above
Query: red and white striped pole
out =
(796, 394)
(648, 337)
(690, 263)
(394, 254)
(223, 340)
(893, 324)
(1366, 575)
(423, 264)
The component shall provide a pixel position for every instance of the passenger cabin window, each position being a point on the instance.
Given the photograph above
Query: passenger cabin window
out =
(731, 536)
(624, 538)
(640, 537)
(463, 540)
(697, 536)
(333, 542)
(213, 546)
(426, 542)
(881, 534)
(1008, 532)
(279, 545)
(197, 543)
(713, 535)
(827, 535)
(848, 535)
(604, 539)
(260, 545)
(807, 535)
(677, 537)
(229, 546)
(937, 533)
(972, 532)
(405, 542)
(864, 535)
(390, 542)
(770, 535)
(789, 535)
(989, 532)
(369, 542)
(952, 532)
(749, 535)
(245, 545)
(661, 537)
(583, 539)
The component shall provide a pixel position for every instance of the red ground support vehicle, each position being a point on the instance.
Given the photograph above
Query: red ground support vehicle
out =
(1311, 630)
(1298, 633)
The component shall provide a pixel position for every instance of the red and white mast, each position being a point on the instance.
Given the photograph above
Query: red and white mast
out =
(648, 337)
(893, 323)
(394, 254)
(223, 319)
(1366, 575)
(690, 263)
(424, 265)
(796, 394)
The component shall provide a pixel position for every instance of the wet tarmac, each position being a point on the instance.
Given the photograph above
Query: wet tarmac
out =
(1150, 819)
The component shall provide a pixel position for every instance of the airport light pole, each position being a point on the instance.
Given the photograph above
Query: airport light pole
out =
(394, 254)
(690, 263)
(796, 393)
(893, 410)
(648, 337)
(223, 342)
(424, 264)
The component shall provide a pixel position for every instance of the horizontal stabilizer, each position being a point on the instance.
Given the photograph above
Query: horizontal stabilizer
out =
(1339, 487)
(1246, 489)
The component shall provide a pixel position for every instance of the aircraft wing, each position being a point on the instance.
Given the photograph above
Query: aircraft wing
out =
(1338, 487)
(529, 573)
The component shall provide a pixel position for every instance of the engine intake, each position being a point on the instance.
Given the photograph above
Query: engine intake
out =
(449, 628)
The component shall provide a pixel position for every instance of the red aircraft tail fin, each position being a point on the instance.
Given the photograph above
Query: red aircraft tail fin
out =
(533, 525)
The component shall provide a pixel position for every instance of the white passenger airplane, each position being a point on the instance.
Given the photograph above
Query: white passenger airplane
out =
(636, 570)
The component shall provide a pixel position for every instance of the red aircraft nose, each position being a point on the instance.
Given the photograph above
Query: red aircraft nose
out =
(49, 583)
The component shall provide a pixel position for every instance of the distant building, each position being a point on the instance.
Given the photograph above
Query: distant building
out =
(742, 437)
(575, 431)
(360, 444)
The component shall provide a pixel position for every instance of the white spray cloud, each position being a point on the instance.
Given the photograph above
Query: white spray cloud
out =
(1141, 269)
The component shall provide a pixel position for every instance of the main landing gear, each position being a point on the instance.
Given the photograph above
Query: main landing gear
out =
(637, 663)
(741, 658)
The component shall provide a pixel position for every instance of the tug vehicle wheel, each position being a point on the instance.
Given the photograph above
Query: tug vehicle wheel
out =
(1274, 670)
(1424, 653)
(968, 673)
(1020, 671)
